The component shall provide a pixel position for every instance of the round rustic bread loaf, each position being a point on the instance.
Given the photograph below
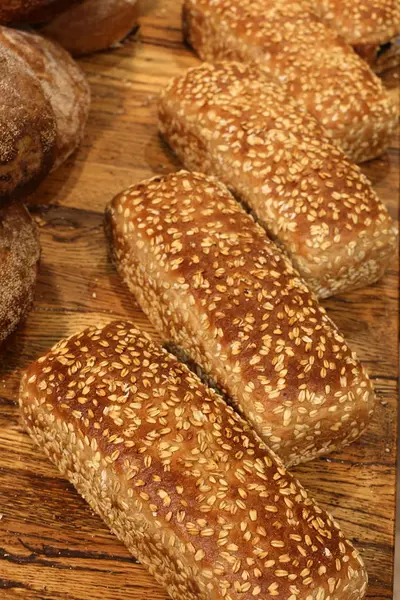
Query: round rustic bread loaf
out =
(28, 128)
(30, 11)
(62, 81)
(19, 259)
(93, 25)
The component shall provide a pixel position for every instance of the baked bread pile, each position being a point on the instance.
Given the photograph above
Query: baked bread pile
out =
(44, 95)
(227, 259)
(44, 105)
(332, 82)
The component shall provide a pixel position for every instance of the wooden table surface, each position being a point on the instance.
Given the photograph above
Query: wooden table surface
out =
(51, 545)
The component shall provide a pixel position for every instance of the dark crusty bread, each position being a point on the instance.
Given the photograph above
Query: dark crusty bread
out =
(19, 259)
(92, 25)
(17, 11)
(232, 121)
(209, 279)
(290, 43)
(63, 82)
(44, 104)
(372, 28)
(28, 127)
(179, 477)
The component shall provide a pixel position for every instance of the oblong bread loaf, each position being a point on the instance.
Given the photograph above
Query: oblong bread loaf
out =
(232, 121)
(179, 477)
(210, 280)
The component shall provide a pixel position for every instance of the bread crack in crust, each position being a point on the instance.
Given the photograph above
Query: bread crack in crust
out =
(208, 278)
(232, 121)
(288, 41)
(179, 477)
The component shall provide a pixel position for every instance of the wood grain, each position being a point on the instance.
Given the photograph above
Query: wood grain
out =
(51, 545)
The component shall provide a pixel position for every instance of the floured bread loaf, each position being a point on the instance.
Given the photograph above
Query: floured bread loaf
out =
(45, 102)
(28, 128)
(19, 260)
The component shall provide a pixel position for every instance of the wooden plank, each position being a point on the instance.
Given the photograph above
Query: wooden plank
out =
(51, 545)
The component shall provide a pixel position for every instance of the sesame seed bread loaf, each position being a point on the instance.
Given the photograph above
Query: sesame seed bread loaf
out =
(63, 82)
(290, 43)
(232, 121)
(179, 477)
(210, 280)
(372, 28)
(19, 260)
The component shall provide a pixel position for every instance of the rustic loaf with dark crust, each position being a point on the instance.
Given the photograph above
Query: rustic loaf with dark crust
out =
(63, 82)
(291, 44)
(209, 279)
(29, 11)
(232, 121)
(92, 25)
(44, 104)
(372, 28)
(179, 477)
(19, 260)
(28, 127)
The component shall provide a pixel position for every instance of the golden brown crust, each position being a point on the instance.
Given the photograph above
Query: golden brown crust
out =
(93, 25)
(179, 477)
(333, 83)
(63, 83)
(209, 279)
(27, 126)
(232, 121)
(19, 260)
